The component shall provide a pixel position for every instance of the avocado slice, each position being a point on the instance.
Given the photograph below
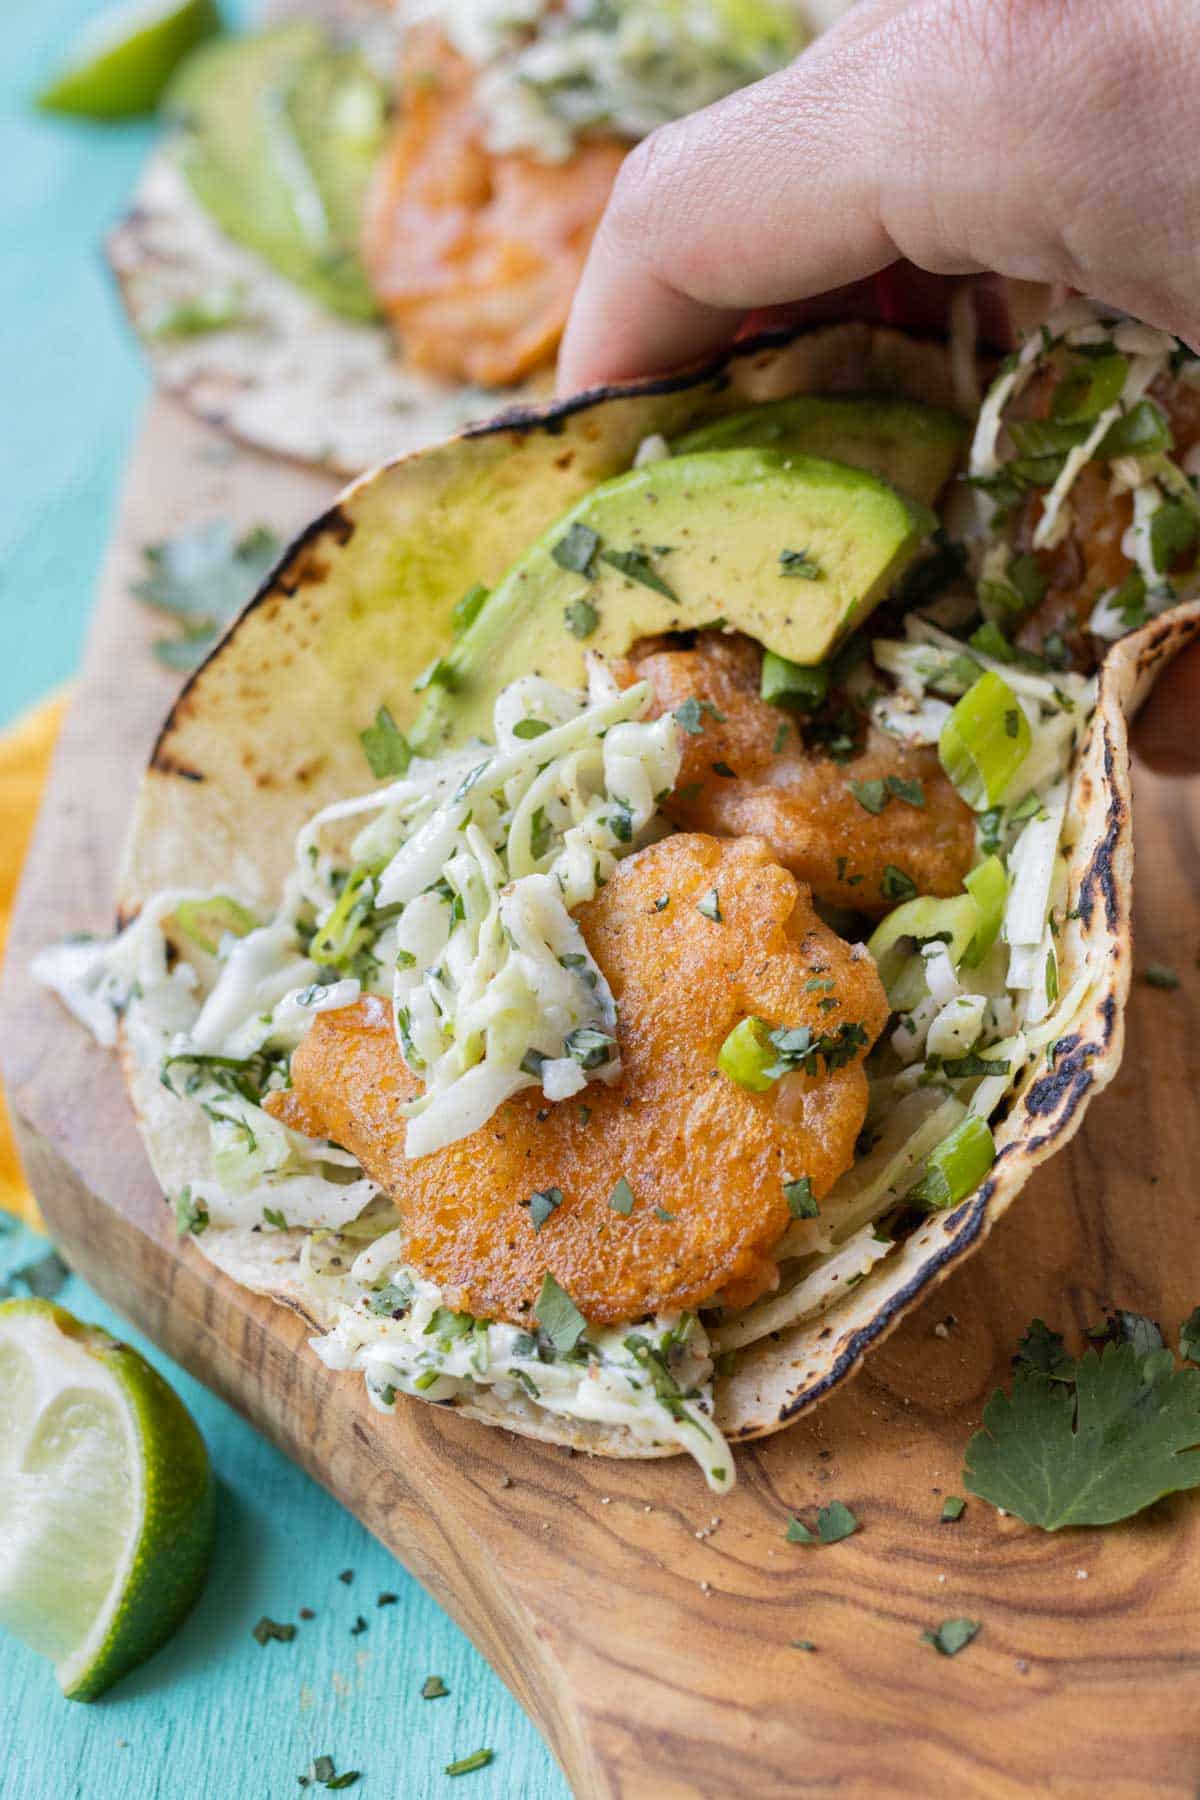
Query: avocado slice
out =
(793, 550)
(916, 448)
(279, 136)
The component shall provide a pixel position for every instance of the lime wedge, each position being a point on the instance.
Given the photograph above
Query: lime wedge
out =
(106, 1504)
(125, 58)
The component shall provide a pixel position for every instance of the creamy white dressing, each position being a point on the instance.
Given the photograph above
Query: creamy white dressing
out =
(652, 1380)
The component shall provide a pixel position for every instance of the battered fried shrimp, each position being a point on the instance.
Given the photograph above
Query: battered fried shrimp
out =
(748, 771)
(704, 1159)
(475, 256)
(1090, 560)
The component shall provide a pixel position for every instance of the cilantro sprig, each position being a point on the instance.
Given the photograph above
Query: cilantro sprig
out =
(1093, 1440)
(203, 576)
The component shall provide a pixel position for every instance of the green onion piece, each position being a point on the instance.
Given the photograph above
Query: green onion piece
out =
(956, 1167)
(1141, 431)
(338, 938)
(988, 888)
(792, 684)
(1090, 389)
(984, 741)
(956, 921)
(746, 1056)
(205, 922)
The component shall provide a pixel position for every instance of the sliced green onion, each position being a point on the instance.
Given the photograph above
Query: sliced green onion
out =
(988, 888)
(1090, 389)
(984, 741)
(747, 1054)
(792, 684)
(1141, 431)
(207, 921)
(337, 940)
(955, 921)
(956, 1167)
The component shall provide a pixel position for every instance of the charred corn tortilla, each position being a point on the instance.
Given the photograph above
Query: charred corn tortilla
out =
(269, 730)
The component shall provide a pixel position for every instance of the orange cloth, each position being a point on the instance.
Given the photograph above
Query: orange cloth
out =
(25, 752)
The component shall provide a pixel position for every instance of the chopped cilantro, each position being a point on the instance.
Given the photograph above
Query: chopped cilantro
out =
(661, 902)
(665, 1217)
(873, 795)
(190, 1215)
(360, 1624)
(802, 1644)
(896, 885)
(723, 769)
(781, 737)
(800, 1199)
(691, 714)
(621, 1198)
(834, 1522)
(1041, 1352)
(581, 618)
(576, 549)
(274, 1217)
(635, 564)
(1097, 1445)
(558, 1316)
(45, 1277)
(385, 745)
(952, 1635)
(270, 1629)
(541, 1203)
(433, 1688)
(1159, 975)
(203, 576)
(709, 906)
(799, 565)
(953, 1508)
(530, 728)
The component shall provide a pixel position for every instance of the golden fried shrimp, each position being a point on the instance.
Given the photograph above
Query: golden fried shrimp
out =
(739, 779)
(1090, 560)
(704, 1159)
(475, 256)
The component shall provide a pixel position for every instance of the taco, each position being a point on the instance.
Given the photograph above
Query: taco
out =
(643, 886)
(368, 222)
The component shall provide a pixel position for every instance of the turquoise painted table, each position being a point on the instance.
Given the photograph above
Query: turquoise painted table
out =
(213, 1713)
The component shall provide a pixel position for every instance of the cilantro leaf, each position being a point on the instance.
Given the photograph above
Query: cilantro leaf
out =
(1089, 1453)
(558, 1316)
(385, 746)
(1041, 1352)
(635, 565)
(834, 1522)
(952, 1635)
(203, 576)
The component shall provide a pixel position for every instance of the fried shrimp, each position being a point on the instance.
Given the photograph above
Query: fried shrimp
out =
(475, 256)
(704, 1160)
(747, 770)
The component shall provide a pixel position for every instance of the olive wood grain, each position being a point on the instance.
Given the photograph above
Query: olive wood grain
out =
(648, 1628)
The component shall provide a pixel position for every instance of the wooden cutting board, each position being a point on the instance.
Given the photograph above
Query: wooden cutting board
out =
(649, 1628)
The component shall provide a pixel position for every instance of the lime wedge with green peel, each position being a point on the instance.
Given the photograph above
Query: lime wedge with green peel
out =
(106, 1500)
(124, 60)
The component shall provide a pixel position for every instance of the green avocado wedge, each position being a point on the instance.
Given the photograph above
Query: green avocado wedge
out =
(793, 550)
(123, 60)
(279, 134)
(915, 448)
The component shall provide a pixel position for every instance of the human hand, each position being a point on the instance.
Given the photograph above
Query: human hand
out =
(1049, 140)
(1046, 140)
